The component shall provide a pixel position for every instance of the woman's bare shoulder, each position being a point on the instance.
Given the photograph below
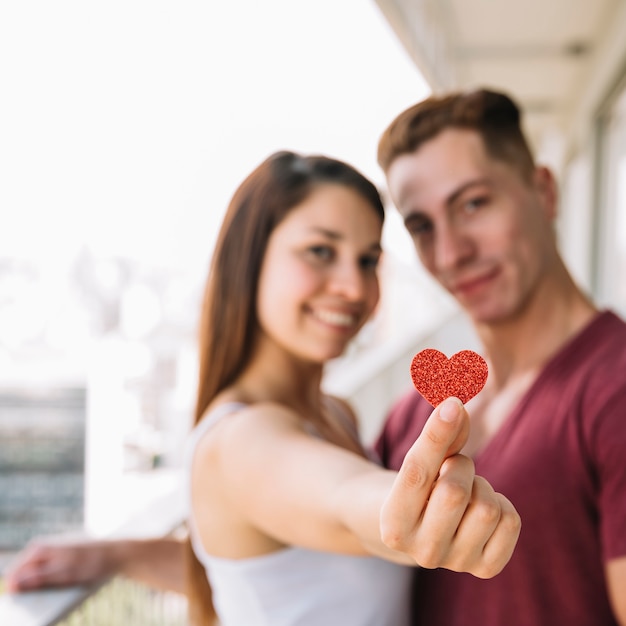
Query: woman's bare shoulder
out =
(242, 422)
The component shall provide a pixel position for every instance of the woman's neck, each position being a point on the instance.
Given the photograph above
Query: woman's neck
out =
(275, 375)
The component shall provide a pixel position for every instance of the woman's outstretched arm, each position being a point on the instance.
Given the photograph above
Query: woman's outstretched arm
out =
(300, 490)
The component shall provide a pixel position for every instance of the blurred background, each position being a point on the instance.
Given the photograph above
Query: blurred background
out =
(126, 126)
(124, 129)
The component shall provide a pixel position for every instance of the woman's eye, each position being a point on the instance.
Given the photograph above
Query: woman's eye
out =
(323, 253)
(370, 262)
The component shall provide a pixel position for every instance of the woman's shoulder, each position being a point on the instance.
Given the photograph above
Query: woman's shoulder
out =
(227, 432)
(235, 416)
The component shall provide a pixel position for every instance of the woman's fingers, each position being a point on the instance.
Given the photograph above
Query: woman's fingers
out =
(485, 536)
(57, 563)
(444, 512)
(501, 544)
(24, 573)
(412, 488)
(439, 512)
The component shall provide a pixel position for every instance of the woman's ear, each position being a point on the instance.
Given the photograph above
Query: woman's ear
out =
(545, 186)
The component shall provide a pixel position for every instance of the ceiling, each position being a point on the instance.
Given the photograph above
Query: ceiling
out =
(542, 52)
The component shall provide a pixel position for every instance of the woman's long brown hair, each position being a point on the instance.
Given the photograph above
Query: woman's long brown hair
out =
(228, 320)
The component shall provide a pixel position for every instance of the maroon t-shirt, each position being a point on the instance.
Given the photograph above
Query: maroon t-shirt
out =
(560, 457)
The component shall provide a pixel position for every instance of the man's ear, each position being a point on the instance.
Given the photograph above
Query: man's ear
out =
(545, 186)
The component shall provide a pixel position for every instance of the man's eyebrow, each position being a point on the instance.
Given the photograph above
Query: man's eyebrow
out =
(416, 213)
(464, 187)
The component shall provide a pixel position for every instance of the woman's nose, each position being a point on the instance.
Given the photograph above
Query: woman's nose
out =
(349, 281)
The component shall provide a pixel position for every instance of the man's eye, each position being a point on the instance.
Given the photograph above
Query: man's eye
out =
(474, 204)
(419, 227)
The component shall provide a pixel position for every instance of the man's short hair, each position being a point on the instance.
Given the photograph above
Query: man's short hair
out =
(493, 115)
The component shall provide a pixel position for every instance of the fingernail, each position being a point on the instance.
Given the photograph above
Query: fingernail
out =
(450, 410)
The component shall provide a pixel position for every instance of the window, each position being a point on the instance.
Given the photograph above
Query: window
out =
(610, 236)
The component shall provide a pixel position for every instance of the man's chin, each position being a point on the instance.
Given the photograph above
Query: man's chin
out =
(484, 313)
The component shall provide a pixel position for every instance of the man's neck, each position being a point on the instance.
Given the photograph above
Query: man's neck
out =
(517, 351)
(524, 343)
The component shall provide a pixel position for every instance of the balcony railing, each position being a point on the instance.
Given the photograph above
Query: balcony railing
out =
(117, 602)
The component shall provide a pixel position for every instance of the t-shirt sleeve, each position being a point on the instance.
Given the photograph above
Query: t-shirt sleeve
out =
(608, 442)
(401, 428)
(381, 445)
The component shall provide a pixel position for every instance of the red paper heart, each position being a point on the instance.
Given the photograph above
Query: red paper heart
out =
(436, 377)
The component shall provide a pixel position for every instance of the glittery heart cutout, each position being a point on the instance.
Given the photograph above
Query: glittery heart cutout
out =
(436, 377)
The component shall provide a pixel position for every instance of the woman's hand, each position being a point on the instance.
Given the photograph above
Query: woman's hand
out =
(439, 512)
(158, 562)
(51, 562)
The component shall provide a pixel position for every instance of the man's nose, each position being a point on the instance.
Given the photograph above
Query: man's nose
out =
(452, 248)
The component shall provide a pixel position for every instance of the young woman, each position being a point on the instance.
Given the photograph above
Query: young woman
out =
(291, 521)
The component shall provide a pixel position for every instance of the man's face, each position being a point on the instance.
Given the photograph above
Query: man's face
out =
(479, 227)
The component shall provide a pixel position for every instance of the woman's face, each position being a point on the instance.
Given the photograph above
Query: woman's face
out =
(318, 282)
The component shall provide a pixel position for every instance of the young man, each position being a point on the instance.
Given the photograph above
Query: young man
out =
(549, 428)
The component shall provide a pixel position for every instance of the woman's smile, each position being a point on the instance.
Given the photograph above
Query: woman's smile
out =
(335, 318)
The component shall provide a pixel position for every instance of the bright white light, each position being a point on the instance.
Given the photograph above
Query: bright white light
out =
(140, 311)
(127, 125)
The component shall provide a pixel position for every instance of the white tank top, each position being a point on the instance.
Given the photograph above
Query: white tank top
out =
(297, 586)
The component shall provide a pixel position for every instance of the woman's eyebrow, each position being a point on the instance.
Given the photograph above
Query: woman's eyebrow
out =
(337, 236)
(330, 234)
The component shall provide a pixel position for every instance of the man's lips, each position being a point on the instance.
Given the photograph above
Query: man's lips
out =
(469, 285)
